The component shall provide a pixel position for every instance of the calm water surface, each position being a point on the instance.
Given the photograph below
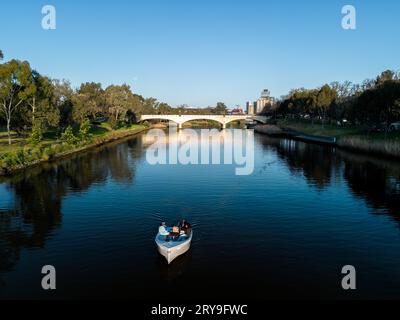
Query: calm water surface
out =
(283, 232)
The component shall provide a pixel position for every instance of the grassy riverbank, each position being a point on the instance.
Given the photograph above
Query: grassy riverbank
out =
(351, 138)
(327, 130)
(24, 153)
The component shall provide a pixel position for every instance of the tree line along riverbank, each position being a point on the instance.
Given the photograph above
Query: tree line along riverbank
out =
(360, 117)
(351, 138)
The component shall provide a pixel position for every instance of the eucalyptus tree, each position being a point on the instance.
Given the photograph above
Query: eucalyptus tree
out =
(120, 100)
(41, 111)
(88, 102)
(389, 100)
(15, 83)
(164, 108)
(386, 75)
(220, 108)
(150, 105)
(325, 99)
(62, 99)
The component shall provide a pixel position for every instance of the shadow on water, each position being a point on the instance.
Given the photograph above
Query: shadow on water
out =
(374, 180)
(38, 194)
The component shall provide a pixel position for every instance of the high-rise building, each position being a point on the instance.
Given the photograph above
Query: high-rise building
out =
(250, 107)
(265, 93)
(259, 105)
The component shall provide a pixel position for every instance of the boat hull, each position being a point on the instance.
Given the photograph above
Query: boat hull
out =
(171, 251)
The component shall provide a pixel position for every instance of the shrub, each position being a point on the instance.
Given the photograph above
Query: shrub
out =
(84, 130)
(68, 136)
(8, 160)
(59, 148)
(115, 124)
(36, 135)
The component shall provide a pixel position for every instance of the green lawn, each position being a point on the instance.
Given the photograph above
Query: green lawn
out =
(318, 129)
(51, 137)
(330, 130)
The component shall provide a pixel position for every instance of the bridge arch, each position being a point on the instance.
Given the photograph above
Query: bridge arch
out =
(200, 118)
(222, 119)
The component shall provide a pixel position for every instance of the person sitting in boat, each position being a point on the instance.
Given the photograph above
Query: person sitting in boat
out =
(185, 227)
(174, 234)
(163, 229)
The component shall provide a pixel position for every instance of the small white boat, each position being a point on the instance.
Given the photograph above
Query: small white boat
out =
(172, 249)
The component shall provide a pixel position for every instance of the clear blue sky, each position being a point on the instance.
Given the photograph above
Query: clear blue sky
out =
(203, 51)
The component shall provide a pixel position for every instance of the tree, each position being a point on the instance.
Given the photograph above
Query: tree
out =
(88, 102)
(41, 113)
(389, 97)
(304, 101)
(366, 110)
(344, 90)
(220, 108)
(62, 100)
(120, 100)
(84, 130)
(163, 108)
(1, 55)
(325, 99)
(386, 75)
(379, 104)
(149, 105)
(346, 94)
(15, 78)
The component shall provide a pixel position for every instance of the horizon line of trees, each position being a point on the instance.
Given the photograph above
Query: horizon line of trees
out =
(374, 102)
(33, 103)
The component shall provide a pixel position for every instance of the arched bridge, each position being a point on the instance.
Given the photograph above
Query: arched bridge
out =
(223, 120)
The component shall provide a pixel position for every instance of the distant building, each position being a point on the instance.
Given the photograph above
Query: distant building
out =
(259, 105)
(250, 108)
(265, 93)
(237, 111)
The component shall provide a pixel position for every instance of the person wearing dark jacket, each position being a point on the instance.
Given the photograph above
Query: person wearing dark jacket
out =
(186, 227)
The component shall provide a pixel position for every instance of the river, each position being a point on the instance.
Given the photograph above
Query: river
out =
(283, 232)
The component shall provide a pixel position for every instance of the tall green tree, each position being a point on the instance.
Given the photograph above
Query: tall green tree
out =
(386, 75)
(379, 104)
(120, 100)
(149, 105)
(163, 108)
(1, 55)
(41, 111)
(88, 102)
(220, 108)
(15, 82)
(325, 98)
(389, 98)
(62, 99)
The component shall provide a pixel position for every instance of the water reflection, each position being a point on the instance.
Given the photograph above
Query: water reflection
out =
(124, 239)
(376, 181)
(38, 194)
(315, 164)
